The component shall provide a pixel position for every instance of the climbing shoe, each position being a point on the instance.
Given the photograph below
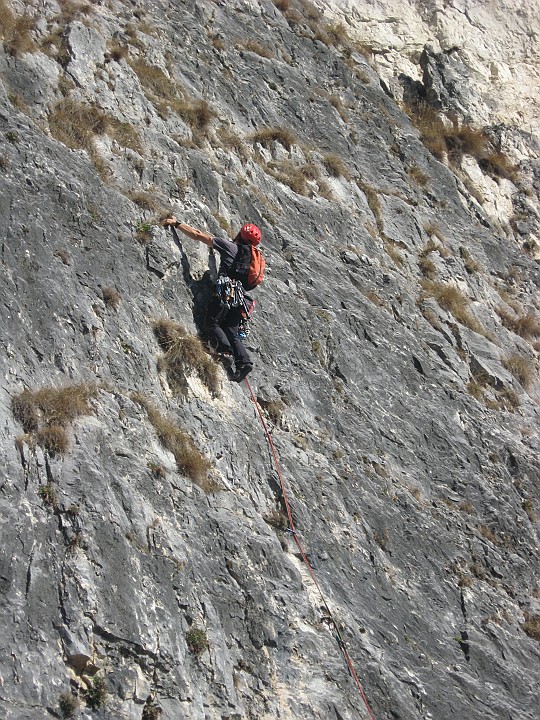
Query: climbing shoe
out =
(242, 370)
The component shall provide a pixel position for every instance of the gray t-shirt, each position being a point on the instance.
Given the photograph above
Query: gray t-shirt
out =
(227, 252)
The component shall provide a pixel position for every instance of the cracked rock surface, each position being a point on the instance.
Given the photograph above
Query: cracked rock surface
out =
(396, 343)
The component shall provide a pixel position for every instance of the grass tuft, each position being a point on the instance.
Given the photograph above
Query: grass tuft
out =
(453, 141)
(266, 136)
(451, 298)
(532, 626)
(111, 297)
(52, 406)
(75, 124)
(335, 166)
(49, 496)
(16, 31)
(96, 693)
(54, 439)
(527, 325)
(184, 354)
(45, 414)
(255, 47)
(68, 704)
(189, 459)
(521, 368)
(196, 640)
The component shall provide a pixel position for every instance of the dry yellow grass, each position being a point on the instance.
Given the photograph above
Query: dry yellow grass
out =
(76, 124)
(521, 368)
(16, 30)
(52, 406)
(255, 47)
(527, 325)
(111, 297)
(184, 354)
(266, 136)
(532, 626)
(45, 414)
(452, 299)
(335, 166)
(189, 459)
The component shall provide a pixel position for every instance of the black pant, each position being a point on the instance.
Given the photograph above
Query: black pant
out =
(222, 326)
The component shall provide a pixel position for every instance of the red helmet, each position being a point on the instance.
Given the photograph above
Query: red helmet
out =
(250, 234)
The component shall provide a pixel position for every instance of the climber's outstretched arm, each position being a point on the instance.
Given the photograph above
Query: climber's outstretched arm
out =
(191, 232)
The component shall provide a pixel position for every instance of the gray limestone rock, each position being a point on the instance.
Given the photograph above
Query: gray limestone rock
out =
(414, 497)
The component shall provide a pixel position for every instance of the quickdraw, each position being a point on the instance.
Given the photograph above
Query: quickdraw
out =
(232, 295)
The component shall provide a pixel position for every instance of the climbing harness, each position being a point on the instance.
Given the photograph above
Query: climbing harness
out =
(232, 295)
(230, 292)
(330, 617)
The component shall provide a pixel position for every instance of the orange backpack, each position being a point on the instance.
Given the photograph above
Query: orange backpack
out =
(248, 266)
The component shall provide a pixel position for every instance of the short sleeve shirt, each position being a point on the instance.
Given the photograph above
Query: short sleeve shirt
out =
(227, 252)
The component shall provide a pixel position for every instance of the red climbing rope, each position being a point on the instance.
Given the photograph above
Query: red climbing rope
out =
(339, 638)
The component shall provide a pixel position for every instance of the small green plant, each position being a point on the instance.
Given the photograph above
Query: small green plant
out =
(111, 297)
(151, 711)
(12, 136)
(184, 354)
(196, 640)
(144, 233)
(96, 694)
(68, 704)
(48, 494)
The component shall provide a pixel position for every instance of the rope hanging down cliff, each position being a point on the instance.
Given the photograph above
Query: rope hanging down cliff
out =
(292, 530)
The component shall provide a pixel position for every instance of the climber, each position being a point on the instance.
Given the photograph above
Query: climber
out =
(224, 318)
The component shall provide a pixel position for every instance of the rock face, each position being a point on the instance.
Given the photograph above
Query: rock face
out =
(396, 347)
